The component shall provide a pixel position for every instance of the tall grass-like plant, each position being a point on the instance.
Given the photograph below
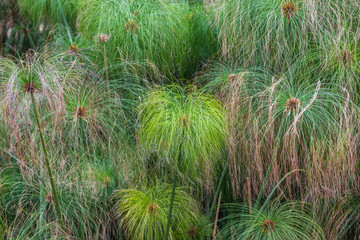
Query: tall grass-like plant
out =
(187, 127)
(277, 93)
(79, 110)
(269, 34)
(47, 161)
(338, 215)
(69, 46)
(277, 119)
(294, 115)
(204, 34)
(82, 207)
(335, 60)
(144, 213)
(157, 31)
(273, 221)
(335, 56)
(27, 78)
(45, 75)
(185, 121)
(92, 112)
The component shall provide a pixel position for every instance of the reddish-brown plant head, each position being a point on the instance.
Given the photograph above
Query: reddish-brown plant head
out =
(28, 81)
(289, 9)
(30, 87)
(184, 120)
(152, 208)
(232, 78)
(103, 38)
(268, 225)
(346, 58)
(192, 232)
(131, 26)
(80, 112)
(49, 197)
(292, 105)
(73, 49)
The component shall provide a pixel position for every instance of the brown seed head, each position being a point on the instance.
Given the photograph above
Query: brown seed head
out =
(346, 58)
(232, 77)
(26, 31)
(106, 181)
(184, 120)
(292, 104)
(152, 208)
(289, 9)
(80, 112)
(30, 87)
(73, 49)
(192, 232)
(268, 226)
(131, 26)
(103, 38)
(49, 197)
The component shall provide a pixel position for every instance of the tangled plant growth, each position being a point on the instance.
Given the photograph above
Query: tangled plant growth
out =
(133, 119)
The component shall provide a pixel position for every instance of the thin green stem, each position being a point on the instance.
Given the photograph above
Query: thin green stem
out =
(171, 207)
(42, 201)
(2, 225)
(47, 162)
(173, 191)
(218, 189)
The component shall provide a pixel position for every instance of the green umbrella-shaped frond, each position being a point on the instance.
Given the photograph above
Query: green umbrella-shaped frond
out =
(144, 212)
(273, 221)
(173, 117)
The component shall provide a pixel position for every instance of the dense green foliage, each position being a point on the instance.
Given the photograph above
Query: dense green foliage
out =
(157, 31)
(174, 119)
